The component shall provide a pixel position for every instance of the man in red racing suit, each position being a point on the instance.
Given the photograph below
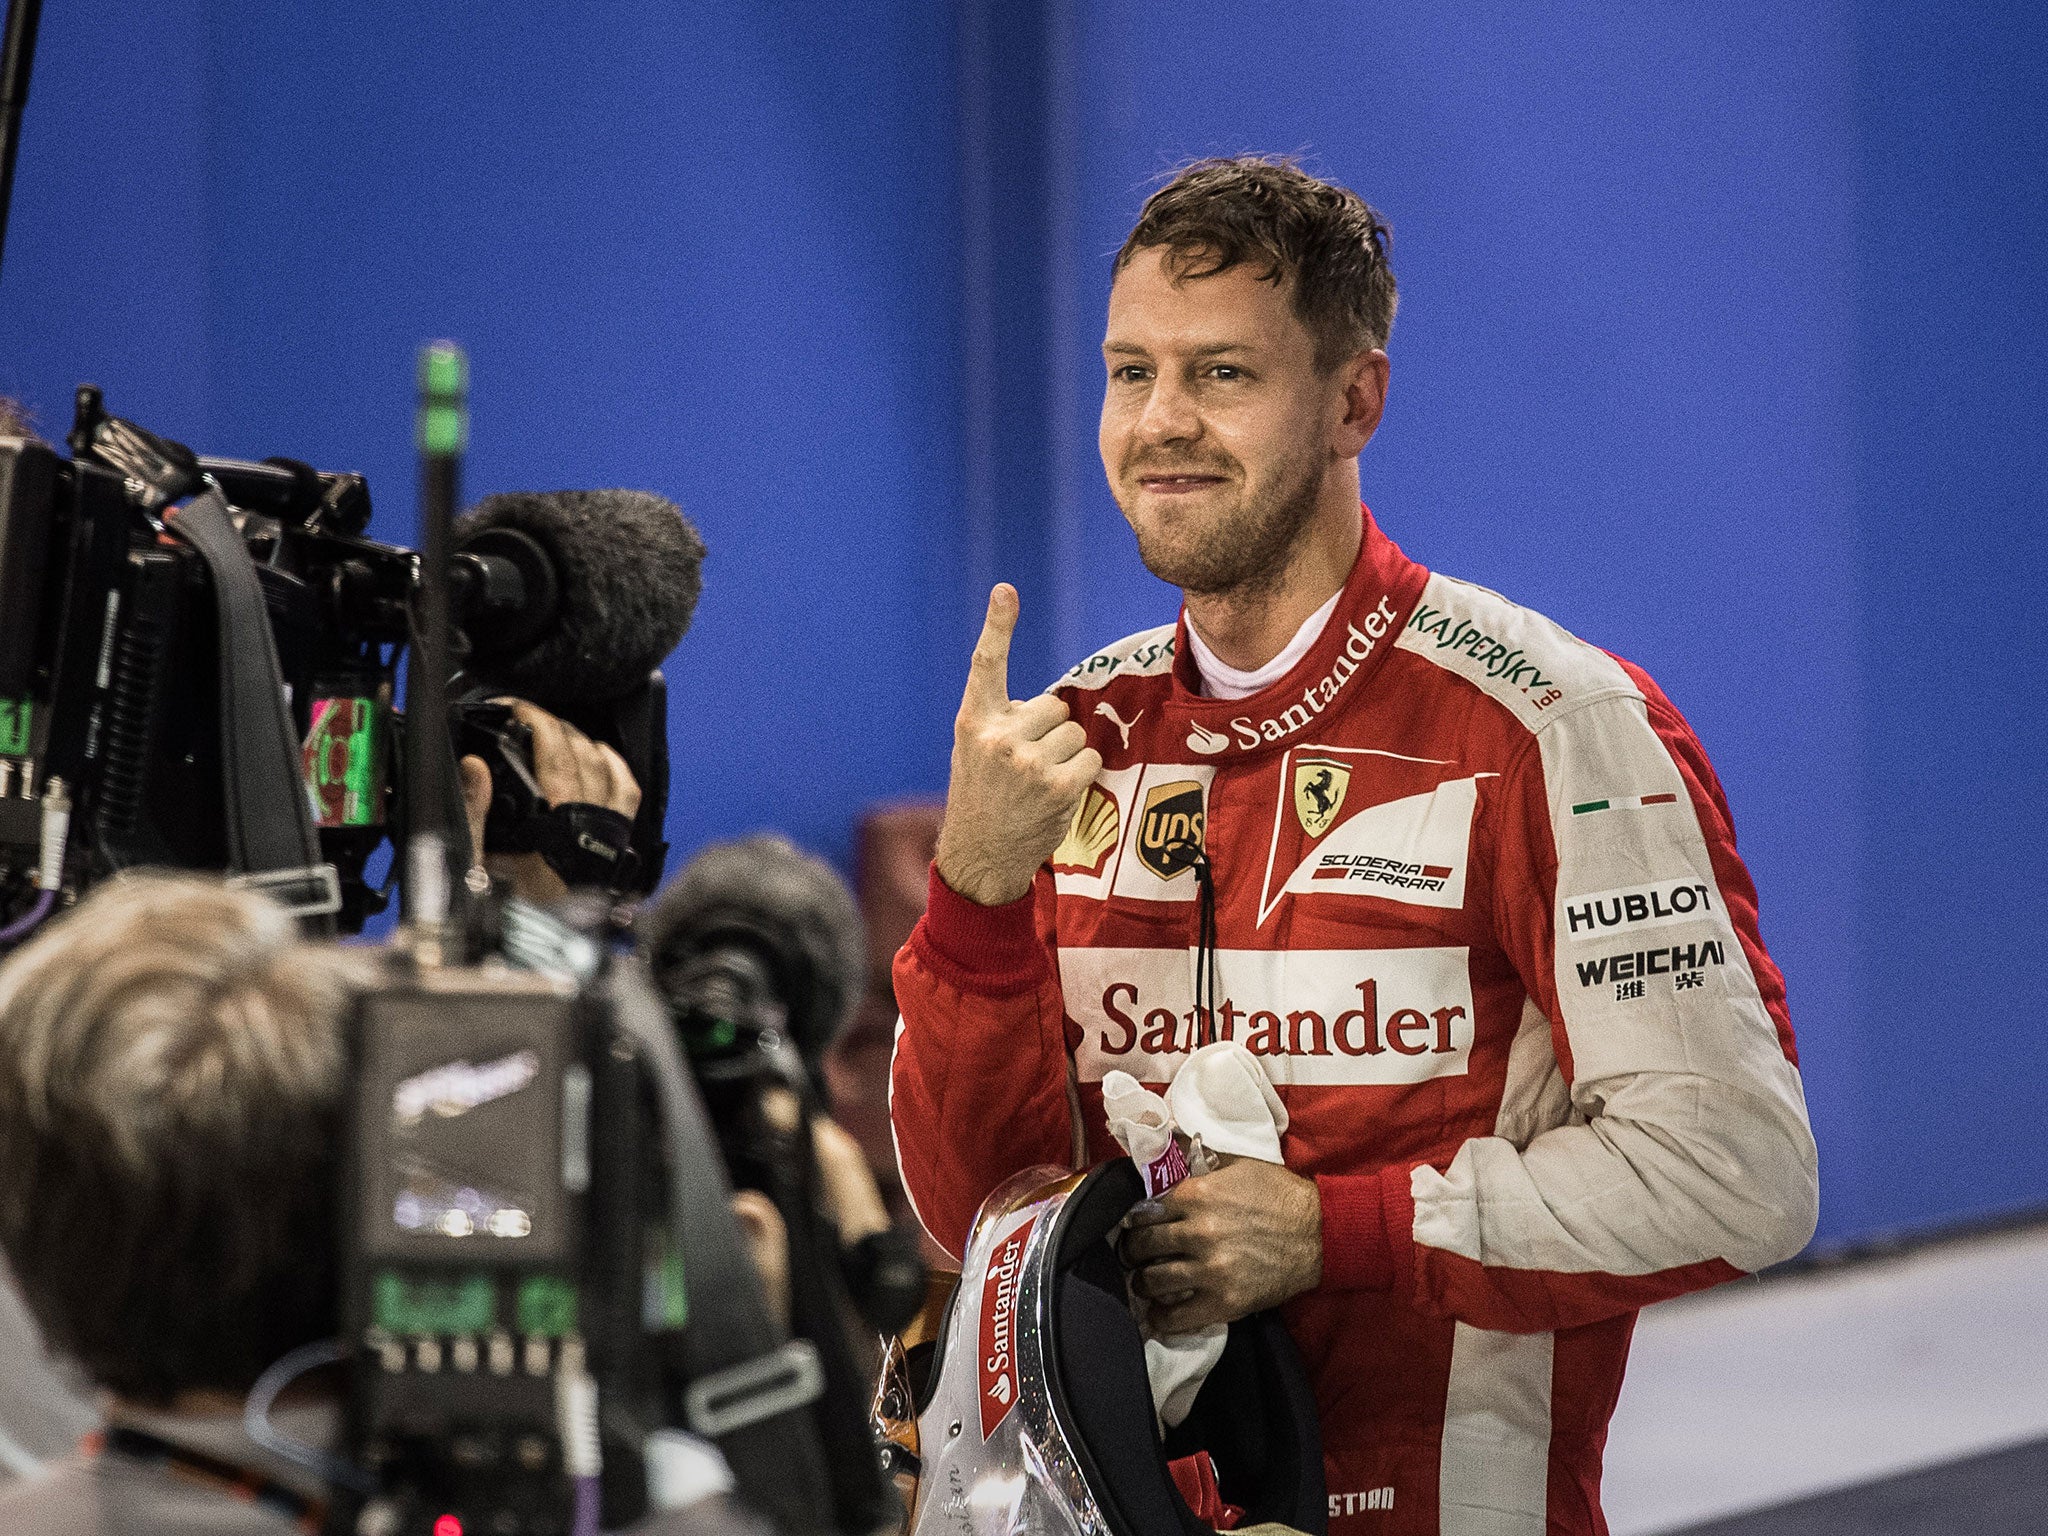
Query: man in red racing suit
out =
(1467, 886)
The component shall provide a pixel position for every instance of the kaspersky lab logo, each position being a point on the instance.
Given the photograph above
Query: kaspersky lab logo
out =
(1246, 732)
(1496, 658)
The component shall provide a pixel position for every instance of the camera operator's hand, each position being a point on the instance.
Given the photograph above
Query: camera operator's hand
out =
(1224, 1245)
(571, 769)
(847, 1191)
(1019, 769)
(852, 1198)
(767, 1240)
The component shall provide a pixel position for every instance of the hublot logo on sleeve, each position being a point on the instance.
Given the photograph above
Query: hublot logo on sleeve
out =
(1683, 900)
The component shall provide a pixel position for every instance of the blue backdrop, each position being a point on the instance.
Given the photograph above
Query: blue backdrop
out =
(1719, 342)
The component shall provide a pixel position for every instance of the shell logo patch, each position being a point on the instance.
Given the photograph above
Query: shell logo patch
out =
(1091, 835)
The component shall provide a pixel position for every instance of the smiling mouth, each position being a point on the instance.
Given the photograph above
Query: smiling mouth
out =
(1178, 485)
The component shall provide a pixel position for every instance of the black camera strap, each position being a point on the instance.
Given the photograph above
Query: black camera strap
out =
(271, 841)
(750, 1388)
(230, 1478)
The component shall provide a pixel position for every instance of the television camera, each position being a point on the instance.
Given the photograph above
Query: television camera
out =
(152, 600)
(541, 1266)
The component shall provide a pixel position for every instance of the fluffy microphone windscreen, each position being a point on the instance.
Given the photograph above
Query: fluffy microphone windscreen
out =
(792, 909)
(628, 568)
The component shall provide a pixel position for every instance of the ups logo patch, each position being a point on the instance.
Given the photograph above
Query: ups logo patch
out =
(1170, 828)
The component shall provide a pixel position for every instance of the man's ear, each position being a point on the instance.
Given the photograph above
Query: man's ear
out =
(1365, 400)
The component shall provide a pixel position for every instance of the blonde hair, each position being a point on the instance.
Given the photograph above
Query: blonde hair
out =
(171, 1067)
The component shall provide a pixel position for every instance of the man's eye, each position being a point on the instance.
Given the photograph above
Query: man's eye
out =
(1130, 373)
(1226, 371)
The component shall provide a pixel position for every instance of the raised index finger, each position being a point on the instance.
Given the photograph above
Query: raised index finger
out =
(988, 674)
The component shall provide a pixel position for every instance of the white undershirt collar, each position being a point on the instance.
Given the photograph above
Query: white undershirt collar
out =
(1220, 680)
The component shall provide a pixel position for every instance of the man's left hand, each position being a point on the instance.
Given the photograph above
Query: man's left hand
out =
(569, 766)
(1224, 1245)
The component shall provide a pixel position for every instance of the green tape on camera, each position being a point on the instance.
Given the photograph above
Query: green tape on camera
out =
(17, 721)
(423, 1305)
(547, 1305)
(345, 761)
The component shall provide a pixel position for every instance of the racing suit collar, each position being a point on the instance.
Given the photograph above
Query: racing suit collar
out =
(1378, 596)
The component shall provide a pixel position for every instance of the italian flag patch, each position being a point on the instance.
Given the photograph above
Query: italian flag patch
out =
(1623, 803)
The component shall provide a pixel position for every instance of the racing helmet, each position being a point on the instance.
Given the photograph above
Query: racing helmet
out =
(1020, 1403)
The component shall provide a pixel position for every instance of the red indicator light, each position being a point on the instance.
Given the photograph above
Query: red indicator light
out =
(447, 1525)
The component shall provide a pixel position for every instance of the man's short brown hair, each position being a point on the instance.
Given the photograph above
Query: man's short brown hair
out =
(171, 1065)
(14, 420)
(1215, 214)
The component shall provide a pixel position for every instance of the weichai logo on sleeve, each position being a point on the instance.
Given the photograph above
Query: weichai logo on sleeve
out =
(999, 1321)
(1676, 960)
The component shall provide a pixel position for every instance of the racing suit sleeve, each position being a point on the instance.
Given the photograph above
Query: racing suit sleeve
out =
(978, 1082)
(1653, 1136)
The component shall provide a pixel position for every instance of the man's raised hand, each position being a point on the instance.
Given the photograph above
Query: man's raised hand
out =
(1019, 769)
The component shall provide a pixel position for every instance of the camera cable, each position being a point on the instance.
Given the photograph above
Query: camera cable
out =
(256, 1417)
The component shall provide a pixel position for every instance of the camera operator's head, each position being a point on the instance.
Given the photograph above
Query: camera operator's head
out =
(171, 1072)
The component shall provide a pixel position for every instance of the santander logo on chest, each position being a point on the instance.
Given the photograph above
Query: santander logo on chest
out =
(1314, 1017)
(1248, 731)
(998, 1358)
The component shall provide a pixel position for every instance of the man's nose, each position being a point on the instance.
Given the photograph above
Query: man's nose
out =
(1169, 415)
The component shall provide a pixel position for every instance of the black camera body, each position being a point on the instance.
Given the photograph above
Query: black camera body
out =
(542, 1278)
(112, 650)
(504, 1265)
(110, 653)
(728, 1003)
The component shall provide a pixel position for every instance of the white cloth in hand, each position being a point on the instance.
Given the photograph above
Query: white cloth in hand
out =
(1138, 1119)
(1222, 1104)
(1223, 1098)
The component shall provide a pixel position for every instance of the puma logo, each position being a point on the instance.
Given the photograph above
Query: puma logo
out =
(1123, 727)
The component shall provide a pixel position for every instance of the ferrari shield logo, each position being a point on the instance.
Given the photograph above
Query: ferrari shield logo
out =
(1319, 786)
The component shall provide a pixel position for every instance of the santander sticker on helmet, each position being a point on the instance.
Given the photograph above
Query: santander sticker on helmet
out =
(1041, 1336)
(999, 1321)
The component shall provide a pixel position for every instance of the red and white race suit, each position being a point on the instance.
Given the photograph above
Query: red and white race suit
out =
(1478, 909)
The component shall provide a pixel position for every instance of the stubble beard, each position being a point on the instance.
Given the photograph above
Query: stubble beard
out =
(1248, 552)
